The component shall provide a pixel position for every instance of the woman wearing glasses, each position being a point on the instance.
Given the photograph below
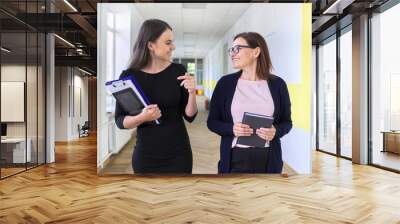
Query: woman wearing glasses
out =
(252, 89)
(163, 148)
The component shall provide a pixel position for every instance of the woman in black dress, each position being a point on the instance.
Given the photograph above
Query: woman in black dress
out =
(163, 148)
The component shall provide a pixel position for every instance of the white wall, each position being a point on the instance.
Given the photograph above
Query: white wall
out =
(61, 103)
(80, 83)
(282, 33)
(284, 39)
(67, 81)
(113, 56)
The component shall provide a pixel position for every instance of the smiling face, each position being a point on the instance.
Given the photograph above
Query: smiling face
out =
(163, 47)
(245, 56)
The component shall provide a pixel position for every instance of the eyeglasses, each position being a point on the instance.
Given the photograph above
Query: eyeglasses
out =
(235, 49)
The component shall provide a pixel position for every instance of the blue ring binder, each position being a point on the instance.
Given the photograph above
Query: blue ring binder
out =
(134, 82)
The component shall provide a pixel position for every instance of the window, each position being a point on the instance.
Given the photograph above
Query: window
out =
(110, 52)
(193, 66)
(327, 96)
(346, 93)
(385, 89)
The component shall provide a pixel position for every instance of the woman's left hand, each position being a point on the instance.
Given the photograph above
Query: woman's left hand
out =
(266, 133)
(188, 82)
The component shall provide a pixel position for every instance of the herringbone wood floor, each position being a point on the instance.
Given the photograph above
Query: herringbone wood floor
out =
(70, 191)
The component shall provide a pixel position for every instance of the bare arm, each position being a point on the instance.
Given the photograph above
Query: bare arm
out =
(191, 107)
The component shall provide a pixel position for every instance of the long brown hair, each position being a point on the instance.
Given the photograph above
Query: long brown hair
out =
(150, 31)
(264, 64)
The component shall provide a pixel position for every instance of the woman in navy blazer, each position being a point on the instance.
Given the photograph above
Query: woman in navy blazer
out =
(250, 55)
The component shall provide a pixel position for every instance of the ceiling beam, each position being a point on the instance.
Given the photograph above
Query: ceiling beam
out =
(83, 61)
(84, 24)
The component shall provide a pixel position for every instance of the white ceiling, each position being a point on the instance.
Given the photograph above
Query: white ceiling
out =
(197, 26)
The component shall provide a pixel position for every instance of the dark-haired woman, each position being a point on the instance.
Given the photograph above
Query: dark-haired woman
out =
(252, 89)
(163, 148)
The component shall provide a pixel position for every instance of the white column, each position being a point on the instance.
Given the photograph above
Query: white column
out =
(360, 90)
(50, 99)
(50, 93)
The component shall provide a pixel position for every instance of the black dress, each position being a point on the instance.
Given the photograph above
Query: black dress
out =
(163, 148)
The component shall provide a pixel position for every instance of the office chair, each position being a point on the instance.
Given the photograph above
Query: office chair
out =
(84, 130)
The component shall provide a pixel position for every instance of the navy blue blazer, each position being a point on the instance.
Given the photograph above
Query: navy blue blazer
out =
(220, 119)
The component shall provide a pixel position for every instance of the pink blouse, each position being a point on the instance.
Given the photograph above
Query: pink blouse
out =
(254, 97)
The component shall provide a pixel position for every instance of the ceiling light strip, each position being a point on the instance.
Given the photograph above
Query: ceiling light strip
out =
(84, 71)
(64, 40)
(5, 49)
(70, 5)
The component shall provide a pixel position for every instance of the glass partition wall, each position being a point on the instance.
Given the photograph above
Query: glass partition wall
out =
(22, 76)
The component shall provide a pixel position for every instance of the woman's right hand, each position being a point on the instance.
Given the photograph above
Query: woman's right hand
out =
(240, 129)
(150, 113)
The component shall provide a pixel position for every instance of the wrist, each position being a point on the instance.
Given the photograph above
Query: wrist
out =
(140, 118)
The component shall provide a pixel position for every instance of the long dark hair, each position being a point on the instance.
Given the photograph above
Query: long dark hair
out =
(150, 31)
(264, 64)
